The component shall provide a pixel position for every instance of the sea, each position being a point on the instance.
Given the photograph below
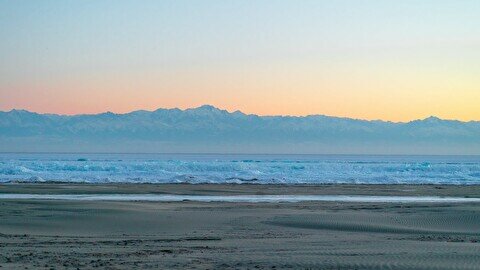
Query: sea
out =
(238, 168)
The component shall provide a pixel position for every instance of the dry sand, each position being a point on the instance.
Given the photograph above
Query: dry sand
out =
(40, 234)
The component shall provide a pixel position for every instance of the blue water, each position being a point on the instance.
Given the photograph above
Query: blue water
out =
(264, 169)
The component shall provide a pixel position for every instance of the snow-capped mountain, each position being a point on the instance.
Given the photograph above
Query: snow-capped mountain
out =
(209, 129)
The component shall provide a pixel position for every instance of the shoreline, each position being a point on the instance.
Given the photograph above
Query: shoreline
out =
(292, 198)
(244, 189)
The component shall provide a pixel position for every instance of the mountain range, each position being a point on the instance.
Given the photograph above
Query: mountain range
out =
(207, 129)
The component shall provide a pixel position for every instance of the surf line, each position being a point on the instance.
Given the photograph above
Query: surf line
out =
(239, 198)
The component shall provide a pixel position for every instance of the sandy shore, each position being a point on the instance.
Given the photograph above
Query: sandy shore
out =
(41, 234)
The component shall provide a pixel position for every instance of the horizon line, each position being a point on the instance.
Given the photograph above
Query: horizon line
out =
(234, 153)
(239, 111)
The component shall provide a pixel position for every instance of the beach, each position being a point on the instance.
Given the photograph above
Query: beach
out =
(61, 234)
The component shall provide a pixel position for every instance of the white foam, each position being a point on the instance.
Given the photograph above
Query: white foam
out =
(240, 198)
(239, 169)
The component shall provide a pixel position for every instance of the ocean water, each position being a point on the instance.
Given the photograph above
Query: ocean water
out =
(263, 169)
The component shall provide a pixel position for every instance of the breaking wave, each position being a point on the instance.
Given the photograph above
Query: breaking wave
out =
(266, 169)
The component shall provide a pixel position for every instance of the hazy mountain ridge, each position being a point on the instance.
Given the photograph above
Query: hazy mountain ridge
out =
(209, 129)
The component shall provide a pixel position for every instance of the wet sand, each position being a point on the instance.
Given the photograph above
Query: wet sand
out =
(43, 234)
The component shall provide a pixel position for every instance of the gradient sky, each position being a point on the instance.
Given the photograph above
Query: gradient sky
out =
(391, 60)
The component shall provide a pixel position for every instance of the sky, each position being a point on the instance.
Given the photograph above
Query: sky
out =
(389, 60)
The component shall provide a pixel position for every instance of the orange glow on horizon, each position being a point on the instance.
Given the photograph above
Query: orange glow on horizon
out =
(385, 93)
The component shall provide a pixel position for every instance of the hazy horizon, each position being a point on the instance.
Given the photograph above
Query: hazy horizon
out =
(239, 111)
(207, 129)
